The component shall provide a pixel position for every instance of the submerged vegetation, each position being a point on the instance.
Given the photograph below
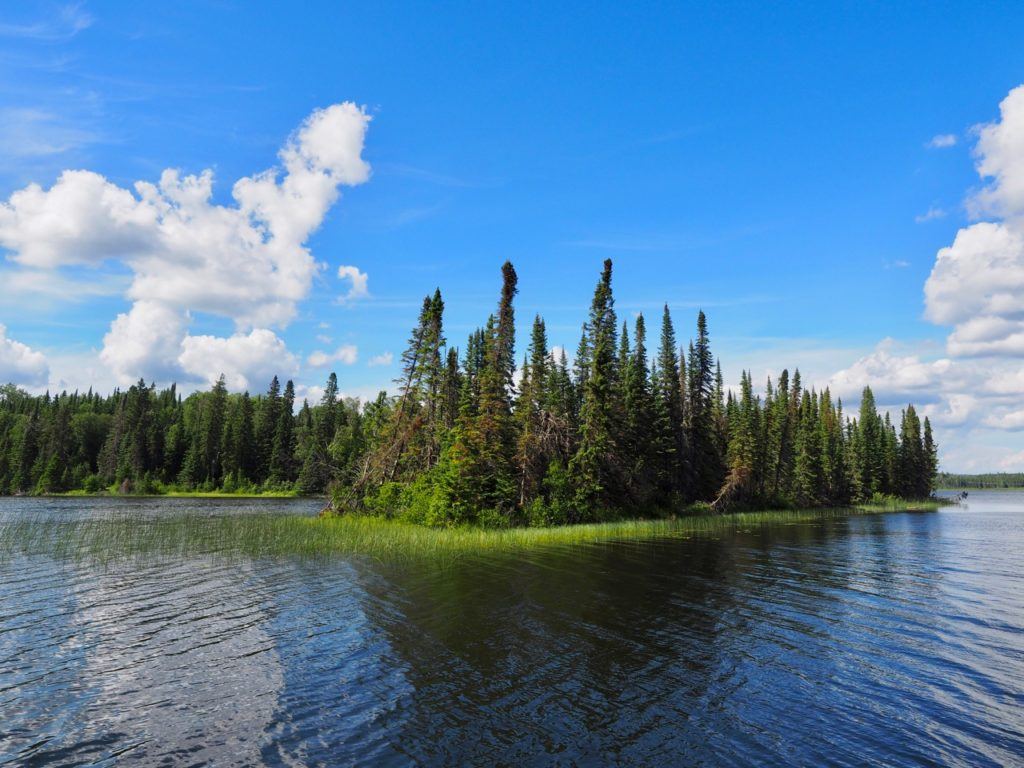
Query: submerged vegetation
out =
(472, 438)
(117, 536)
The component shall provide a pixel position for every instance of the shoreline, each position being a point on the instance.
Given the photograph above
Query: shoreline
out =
(268, 535)
(168, 494)
(975, 488)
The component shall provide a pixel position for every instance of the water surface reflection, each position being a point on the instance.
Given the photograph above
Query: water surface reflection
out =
(885, 639)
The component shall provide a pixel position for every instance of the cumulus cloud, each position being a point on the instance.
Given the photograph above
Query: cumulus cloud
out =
(247, 361)
(246, 261)
(358, 288)
(976, 289)
(999, 156)
(1011, 420)
(385, 358)
(941, 141)
(346, 354)
(977, 283)
(145, 342)
(20, 364)
(894, 378)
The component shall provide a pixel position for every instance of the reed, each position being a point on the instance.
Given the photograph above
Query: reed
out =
(119, 535)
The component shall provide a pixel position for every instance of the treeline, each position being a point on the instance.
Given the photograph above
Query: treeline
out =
(145, 440)
(989, 480)
(472, 437)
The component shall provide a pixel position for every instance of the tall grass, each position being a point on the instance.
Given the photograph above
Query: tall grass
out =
(255, 536)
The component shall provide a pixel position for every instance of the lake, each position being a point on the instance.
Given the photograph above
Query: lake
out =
(893, 639)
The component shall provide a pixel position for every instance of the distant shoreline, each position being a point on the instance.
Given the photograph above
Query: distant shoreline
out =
(170, 494)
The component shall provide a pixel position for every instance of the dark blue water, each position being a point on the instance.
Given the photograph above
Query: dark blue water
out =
(884, 640)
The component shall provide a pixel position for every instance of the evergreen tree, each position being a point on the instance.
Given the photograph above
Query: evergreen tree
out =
(532, 457)
(282, 457)
(703, 441)
(458, 444)
(673, 475)
(594, 469)
(641, 460)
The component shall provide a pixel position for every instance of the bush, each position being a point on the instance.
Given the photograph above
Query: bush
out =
(93, 484)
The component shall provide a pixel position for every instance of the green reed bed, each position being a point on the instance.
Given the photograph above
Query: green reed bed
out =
(258, 535)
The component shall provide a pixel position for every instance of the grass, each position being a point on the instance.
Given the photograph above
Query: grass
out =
(258, 535)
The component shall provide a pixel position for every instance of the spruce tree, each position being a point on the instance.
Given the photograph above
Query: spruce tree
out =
(703, 442)
(673, 475)
(593, 469)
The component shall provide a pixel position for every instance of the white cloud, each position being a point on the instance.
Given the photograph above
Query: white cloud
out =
(145, 342)
(999, 156)
(976, 287)
(20, 364)
(893, 378)
(311, 393)
(941, 141)
(977, 283)
(247, 361)
(385, 358)
(245, 261)
(346, 354)
(931, 214)
(1011, 420)
(359, 288)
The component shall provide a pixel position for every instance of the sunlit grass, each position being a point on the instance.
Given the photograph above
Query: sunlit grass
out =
(128, 536)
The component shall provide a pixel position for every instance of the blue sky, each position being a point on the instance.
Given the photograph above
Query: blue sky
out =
(792, 170)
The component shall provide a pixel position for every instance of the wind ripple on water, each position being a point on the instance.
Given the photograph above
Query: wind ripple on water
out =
(891, 640)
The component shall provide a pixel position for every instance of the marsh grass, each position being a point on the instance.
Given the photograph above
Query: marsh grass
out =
(119, 536)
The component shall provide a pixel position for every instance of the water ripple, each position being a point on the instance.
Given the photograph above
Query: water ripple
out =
(890, 640)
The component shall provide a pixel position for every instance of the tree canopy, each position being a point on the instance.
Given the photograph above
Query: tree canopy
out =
(469, 437)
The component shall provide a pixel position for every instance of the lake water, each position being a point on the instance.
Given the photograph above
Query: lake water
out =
(894, 639)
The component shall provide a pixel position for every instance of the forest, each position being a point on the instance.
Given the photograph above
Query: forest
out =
(953, 481)
(469, 436)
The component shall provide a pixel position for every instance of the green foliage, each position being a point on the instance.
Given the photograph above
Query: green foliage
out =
(464, 441)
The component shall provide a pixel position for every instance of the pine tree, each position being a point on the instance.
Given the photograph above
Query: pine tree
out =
(869, 450)
(703, 442)
(744, 448)
(641, 461)
(931, 461)
(282, 457)
(673, 471)
(808, 476)
(594, 470)
(479, 472)
(268, 419)
(912, 462)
